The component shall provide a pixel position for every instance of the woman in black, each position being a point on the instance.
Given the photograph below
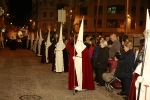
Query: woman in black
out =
(101, 63)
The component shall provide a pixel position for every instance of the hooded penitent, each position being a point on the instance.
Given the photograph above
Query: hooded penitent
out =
(35, 42)
(39, 44)
(59, 63)
(144, 78)
(47, 45)
(80, 70)
(60, 44)
(32, 39)
(79, 46)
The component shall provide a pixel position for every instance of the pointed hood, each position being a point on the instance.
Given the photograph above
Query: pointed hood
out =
(79, 46)
(145, 67)
(48, 42)
(40, 35)
(60, 44)
(37, 36)
(146, 62)
(48, 36)
(147, 21)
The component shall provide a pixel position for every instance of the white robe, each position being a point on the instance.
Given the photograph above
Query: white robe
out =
(59, 61)
(32, 38)
(39, 47)
(47, 45)
(146, 75)
(78, 64)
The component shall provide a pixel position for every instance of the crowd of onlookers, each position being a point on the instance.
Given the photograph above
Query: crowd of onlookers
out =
(114, 57)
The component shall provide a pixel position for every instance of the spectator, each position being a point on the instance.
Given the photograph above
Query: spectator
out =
(118, 71)
(127, 66)
(101, 63)
(140, 54)
(115, 47)
(92, 45)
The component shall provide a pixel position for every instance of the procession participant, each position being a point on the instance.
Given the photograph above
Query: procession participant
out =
(80, 71)
(35, 42)
(28, 41)
(51, 51)
(39, 44)
(60, 46)
(32, 40)
(47, 45)
(142, 72)
(69, 45)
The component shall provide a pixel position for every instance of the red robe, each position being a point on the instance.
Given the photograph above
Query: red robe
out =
(88, 82)
(132, 94)
(69, 46)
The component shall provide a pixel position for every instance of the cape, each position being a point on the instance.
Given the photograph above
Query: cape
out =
(69, 46)
(43, 58)
(132, 94)
(88, 82)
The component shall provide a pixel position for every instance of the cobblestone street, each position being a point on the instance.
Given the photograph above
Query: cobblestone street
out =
(23, 77)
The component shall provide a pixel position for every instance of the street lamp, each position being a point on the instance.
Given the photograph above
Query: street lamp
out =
(30, 20)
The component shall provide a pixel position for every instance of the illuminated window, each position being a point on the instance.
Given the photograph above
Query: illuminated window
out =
(116, 9)
(111, 10)
(112, 23)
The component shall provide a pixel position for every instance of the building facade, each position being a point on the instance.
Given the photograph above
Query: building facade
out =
(111, 16)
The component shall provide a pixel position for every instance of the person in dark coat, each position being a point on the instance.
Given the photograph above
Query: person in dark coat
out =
(118, 71)
(101, 63)
(52, 47)
(127, 66)
(43, 58)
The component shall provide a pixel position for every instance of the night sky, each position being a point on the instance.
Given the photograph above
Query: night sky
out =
(21, 9)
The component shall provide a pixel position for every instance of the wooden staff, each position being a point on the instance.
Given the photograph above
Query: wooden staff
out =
(146, 86)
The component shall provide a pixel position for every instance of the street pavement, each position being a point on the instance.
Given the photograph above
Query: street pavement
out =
(23, 77)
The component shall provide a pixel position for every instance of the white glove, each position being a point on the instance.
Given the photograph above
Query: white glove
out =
(140, 79)
(73, 57)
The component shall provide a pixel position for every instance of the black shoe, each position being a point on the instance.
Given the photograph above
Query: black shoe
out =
(121, 93)
(76, 91)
